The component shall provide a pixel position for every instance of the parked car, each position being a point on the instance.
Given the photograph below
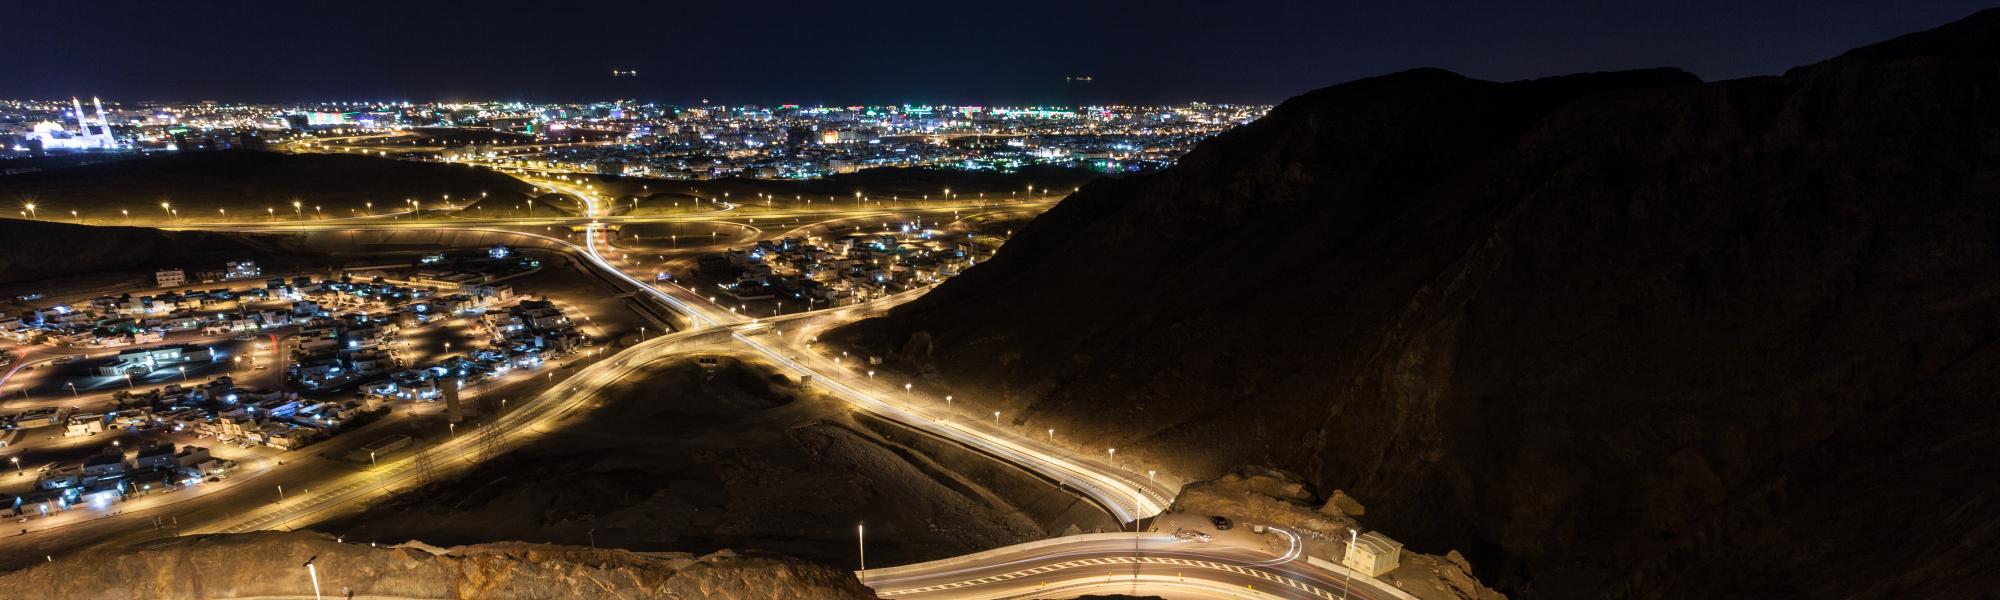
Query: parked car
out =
(1221, 523)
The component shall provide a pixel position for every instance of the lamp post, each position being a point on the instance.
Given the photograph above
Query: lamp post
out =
(72, 389)
(1352, 537)
(17, 466)
(996, 418)
(184, 374)
(281, 493)
(861, 543)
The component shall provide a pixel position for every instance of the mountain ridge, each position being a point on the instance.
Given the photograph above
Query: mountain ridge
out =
(1620, 335)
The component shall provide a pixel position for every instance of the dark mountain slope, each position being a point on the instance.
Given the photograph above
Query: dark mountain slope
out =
(32, 250)
(1621, 335)
(246, 183)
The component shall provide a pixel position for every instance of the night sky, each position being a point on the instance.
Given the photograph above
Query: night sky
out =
(858, 52)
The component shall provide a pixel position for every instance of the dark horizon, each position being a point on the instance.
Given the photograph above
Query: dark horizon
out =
(1150, 53)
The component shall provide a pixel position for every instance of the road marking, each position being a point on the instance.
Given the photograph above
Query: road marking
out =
(1282, 580)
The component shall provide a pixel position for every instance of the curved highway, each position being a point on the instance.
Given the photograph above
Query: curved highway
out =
(1126, 563)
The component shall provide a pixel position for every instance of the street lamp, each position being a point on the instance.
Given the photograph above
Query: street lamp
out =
(128, 382)
(996, 418)
(1114, 457)
(184, 374)
(72, 389)
(17, 466)
(1352, 537)
(1052, 435)
(31, 209)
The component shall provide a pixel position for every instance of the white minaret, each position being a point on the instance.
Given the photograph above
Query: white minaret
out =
(101, 120)
(82, 123)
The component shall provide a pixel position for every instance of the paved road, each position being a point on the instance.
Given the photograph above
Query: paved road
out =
(1198, 570)
(1129, 563)
(1144, 564)
(513, 427)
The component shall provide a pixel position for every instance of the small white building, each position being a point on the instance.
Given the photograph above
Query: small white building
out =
(170, 277)
(1373, 554)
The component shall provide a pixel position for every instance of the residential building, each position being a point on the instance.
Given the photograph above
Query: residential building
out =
(170, 277)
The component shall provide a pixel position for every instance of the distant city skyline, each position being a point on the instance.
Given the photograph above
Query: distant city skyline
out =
(838, 54)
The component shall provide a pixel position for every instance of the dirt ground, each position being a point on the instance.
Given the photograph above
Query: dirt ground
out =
(690, 460)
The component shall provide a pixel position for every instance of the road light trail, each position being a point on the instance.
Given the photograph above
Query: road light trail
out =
(543, 409)
(1121, 563)
(1117, 492)
(1219, 571)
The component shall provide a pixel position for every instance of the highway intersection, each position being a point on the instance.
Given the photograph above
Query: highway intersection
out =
(1130, 563)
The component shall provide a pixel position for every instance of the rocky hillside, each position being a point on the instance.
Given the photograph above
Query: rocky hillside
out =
(1265, 496)
(270, 565)
(1616, 335)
